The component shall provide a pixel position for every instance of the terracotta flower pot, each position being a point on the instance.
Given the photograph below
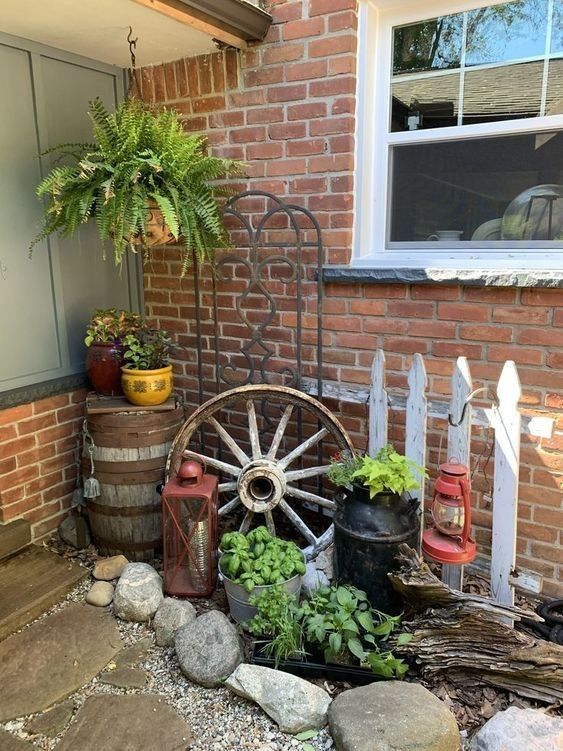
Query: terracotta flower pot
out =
(103, 365)
(147, 388)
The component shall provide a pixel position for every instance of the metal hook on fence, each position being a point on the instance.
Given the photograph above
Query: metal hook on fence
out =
(472, 395)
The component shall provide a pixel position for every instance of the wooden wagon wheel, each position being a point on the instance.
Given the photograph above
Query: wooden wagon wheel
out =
(266, 477)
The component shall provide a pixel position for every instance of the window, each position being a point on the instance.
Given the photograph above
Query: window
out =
(461, 149)
(45, 302)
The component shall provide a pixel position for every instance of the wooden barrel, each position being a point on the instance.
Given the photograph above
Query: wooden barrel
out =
(130, 451)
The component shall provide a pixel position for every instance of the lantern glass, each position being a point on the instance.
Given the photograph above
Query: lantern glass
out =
(448, 515)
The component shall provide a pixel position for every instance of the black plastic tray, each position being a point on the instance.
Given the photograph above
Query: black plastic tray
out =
(315, 668)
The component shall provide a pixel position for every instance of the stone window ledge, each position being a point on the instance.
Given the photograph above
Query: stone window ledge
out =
(27, 394)
(466, 277)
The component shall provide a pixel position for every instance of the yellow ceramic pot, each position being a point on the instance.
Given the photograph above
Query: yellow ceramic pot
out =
(147, 388)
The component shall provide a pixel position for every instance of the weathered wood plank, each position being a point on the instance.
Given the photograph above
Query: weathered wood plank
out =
(14, 536)
(415, 439)
(101, 405)
(378, 405)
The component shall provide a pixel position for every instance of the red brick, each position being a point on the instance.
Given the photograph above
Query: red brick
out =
(332, 125)
(265, 76)
(46, 420)
(334, 202)
(193, 78)
(248, 135)
(158, 81)
(287, 167)
(309, 185)
(545, 297)
(285, 131)
(226, 119)
(208, 104)
(332, 163)
(264, 151)
(170, 81)
(410, 309)
(548, 552)
(341, 65)
(286, 93)
(7, 465)
(231, 68)
(204, 70)
(555, 360)
(18, 477)
(539, 336)
(181, 78)
(344, 106)
(457, 349)
(287, 12)
(74, 412)
(537, 532)
(385, 291)
(342, 21)
(518, 314)
(550, 516)
(14, 414)
(332, 86)
(248, 98)
(432, 329)
(307, 111)
(487, 333)
(306, 147)
(498, 295)
(332, 46)
(324, 7)
(51, 403)
(385, 326)
(7, 433)
(302, 29)
(283, 54)
(265, 115)
(367, 307)
(524, 355)
(463, 312)
(558, 317)
(306, 71)
(218, 70)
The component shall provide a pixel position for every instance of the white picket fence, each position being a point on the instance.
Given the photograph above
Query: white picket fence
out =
(502, 416)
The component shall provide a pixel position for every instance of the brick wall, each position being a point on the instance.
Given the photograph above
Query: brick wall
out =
(37, 460)
(286, 107)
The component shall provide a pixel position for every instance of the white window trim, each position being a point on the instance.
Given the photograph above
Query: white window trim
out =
(371, 219)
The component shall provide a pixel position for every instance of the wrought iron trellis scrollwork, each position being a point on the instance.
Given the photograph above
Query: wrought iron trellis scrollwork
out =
(257, 352)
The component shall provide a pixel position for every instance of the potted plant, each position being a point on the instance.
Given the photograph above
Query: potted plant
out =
(335, 634)
(146, 375)
(375, 514)
(255, 562)
(104, 339)
(143, 180)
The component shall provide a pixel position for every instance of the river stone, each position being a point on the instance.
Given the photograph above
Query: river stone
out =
(392, 716)
(294, 704)
(75, 532)
(208, 649)
(107, 569)
(52, 722)
(9, 742)
(111, 722)
(313, 579)
(100, 594)
(138, 593)
(124, 678)
(517, 729)
(52, 658)
(170, 616)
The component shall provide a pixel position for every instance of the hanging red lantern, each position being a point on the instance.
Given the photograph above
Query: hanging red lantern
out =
(189, 522)
(449, 540)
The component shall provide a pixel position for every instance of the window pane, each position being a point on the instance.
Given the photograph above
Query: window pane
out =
(511, 31)
(425, 102)
(509, 92)
(465, 187)
(429, 45)
(554, 103)
(557, 31)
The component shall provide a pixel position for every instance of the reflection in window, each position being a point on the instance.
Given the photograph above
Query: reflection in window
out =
(512, 31)
(554, 102)
(431, 45)
(426, 102)
(466, 186)
(557, 30)
(509, 92)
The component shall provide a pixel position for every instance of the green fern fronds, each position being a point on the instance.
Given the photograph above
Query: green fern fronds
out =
(139, 155)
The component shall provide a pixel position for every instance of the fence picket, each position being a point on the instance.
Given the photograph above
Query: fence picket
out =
(505, 493)
(416, 415)
(378, 407)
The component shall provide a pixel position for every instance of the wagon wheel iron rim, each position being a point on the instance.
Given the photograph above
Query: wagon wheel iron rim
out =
(264, 477)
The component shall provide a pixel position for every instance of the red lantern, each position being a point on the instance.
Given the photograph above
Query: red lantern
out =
(189, 522)
(449, 541)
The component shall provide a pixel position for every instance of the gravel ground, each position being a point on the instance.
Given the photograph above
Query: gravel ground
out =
(220, 721)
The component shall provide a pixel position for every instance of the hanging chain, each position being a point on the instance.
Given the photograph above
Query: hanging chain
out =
(134, 86)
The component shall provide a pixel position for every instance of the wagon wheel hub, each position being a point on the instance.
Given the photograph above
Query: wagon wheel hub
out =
(261, 485)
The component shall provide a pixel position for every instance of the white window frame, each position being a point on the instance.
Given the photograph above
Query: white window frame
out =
(377, 18)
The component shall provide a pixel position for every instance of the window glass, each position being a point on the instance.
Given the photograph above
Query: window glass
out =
(511, 31)
(478, 189)
(431, 45)
(425, 102)
(554, 102)
(557, 28)
(508, 92)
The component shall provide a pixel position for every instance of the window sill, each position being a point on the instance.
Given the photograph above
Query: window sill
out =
(27, 394)
(466, 277)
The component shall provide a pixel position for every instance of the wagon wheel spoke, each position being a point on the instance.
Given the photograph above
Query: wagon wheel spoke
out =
(253, 430)
(229, 469)
(323, 542)
(303, 495)
(225, 487)
(229, 506)
(245, 526)
(302, 474)
(270, 522)
(297, 522)
(303, 448)
(230, 441)
(280, 431)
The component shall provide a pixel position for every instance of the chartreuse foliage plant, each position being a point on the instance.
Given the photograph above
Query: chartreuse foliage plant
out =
(258, 558)
(337, 620)
(139, 157)
(386, 471)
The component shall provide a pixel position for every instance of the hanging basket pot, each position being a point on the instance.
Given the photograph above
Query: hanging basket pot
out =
(157, 231)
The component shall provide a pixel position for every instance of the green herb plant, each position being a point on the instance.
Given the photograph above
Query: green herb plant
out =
(147, 349)
(337, 620)
(111, 325)
(386, 471)
(140, 157)
(258, 558)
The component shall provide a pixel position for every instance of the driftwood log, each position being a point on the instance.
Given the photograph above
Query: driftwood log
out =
(470, 640)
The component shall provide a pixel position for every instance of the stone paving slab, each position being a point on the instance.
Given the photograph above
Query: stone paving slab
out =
(48, 661)
(111, 722)
(52, 722)
(124, 678)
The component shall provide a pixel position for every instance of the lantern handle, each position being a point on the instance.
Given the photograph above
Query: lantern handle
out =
(472, 395)
(196, 457)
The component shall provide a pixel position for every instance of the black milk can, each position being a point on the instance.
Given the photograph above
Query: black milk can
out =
(367, 535)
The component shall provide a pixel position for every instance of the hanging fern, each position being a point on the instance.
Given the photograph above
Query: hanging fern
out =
(140, 157)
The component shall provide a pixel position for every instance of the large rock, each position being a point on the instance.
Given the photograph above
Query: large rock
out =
(294, 704)
(170, 616)
(75, 532)
(313, 579)
(52, 658)
(392, 716)
(107, 569)
(138, 593)
(107, 722)
(518, 729)
(208, 649)
(100, 594)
